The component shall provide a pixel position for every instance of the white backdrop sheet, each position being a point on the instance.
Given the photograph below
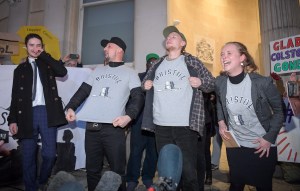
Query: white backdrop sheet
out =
(67, 86)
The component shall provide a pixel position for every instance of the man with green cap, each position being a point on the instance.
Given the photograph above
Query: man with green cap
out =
(139, 141)
(150, 59)
(174, 105)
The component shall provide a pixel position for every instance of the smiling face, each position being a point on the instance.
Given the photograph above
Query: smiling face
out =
(174, 42)
(34, 47)
(112, 52)
(231, 60)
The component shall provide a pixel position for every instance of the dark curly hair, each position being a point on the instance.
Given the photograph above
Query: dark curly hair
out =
(33, 35)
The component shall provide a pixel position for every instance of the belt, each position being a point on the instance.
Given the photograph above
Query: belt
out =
(92, 126)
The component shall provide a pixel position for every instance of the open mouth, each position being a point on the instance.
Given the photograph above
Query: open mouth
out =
(226, 62)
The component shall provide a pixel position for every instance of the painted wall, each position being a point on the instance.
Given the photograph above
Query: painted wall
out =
(220, 21)
(48, 13)
(150, 20)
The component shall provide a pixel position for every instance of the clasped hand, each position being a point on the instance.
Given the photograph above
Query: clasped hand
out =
(194, 82)
(263, 146)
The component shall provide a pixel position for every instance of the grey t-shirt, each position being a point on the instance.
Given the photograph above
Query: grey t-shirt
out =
(110, 92)
(242, 117)
(172, 93)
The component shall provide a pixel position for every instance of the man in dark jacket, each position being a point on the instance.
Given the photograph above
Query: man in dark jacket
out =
(113, 98)
(36, 109)
(141, 141)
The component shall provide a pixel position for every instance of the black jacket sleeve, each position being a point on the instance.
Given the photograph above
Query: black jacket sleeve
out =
(12, 118)
(135, 103)
(56, 65)
(82, 93)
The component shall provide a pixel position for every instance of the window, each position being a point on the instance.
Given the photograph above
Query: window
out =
(103, 21)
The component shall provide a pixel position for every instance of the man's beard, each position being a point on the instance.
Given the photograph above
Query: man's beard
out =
(106, 60)
(170, 48)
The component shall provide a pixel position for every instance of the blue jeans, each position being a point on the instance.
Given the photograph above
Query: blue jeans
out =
(186, 140)
(29, 149)
(170, 163)
(217, 146)
(139, 141)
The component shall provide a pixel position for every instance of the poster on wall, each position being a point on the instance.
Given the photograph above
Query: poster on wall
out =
(285, 55)
(9, 44)
(288, 142)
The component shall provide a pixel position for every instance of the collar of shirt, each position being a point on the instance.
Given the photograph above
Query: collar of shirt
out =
(31, 59)
(115, 64)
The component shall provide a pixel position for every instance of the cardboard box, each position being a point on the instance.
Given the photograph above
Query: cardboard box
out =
(9, 44)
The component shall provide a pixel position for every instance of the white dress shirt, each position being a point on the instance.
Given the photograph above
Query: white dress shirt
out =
(39, 98)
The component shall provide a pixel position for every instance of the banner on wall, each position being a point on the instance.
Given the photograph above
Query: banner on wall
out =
(9, 44)
(70, 137)
(285, 55)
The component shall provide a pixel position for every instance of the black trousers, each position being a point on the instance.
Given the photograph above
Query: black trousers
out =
(186, 140)
(109, 141)
(246, 167)
(204, 156)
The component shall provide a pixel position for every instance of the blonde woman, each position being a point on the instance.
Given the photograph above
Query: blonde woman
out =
(250, 106)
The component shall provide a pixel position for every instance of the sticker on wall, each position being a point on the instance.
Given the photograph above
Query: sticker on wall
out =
(205, 49)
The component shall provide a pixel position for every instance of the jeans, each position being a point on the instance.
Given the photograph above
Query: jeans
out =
(186, 140)
(139, 141)
(170, 163)
(29, 149)
(217, 146)
(108, 141)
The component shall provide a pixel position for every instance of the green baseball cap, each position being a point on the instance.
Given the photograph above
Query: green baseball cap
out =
(170, 29)
(151, 55)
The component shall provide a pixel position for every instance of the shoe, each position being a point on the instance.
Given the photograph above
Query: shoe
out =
(214, 167)
(147, 183)
(140, 188)
(131, 186)
(42, 187)
(208, 180)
